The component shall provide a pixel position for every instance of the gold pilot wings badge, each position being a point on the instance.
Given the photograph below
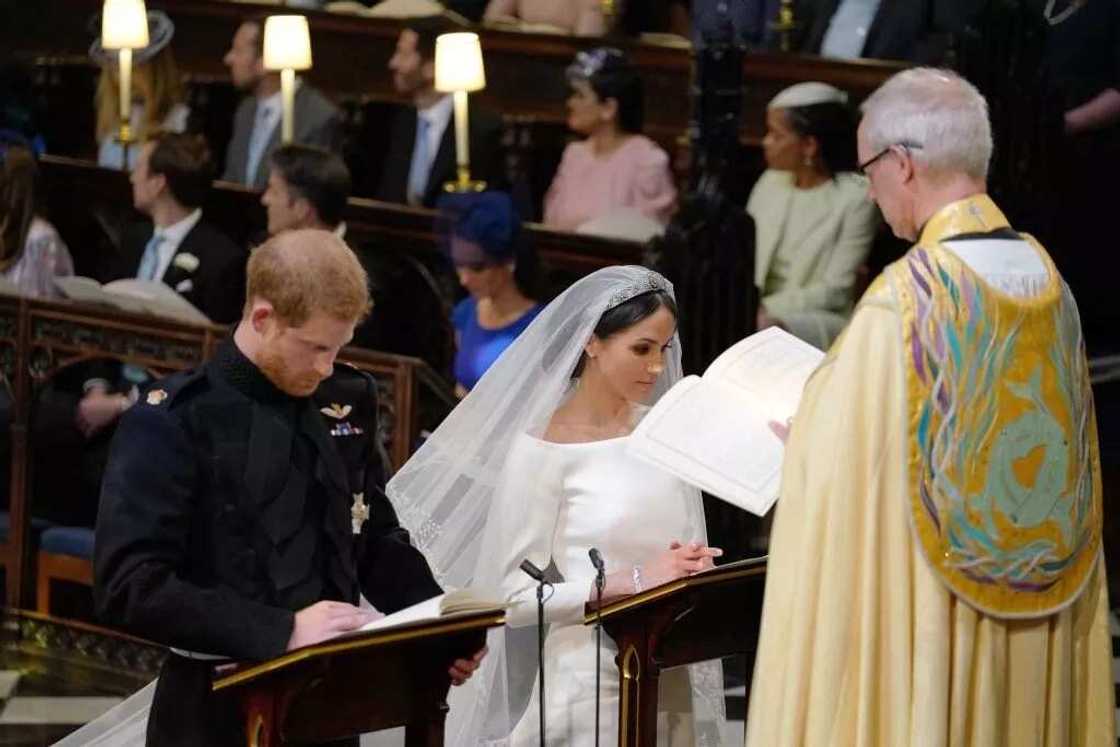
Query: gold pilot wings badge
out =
(336, 411)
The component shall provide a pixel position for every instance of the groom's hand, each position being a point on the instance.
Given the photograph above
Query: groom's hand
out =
(327, 619)
(462, 669)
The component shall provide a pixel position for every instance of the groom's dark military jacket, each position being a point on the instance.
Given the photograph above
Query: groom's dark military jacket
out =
(228, 505)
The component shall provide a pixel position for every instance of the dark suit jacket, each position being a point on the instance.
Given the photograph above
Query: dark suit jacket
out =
(317, 122)
(487, 156)
(915, 30)
(216, 286)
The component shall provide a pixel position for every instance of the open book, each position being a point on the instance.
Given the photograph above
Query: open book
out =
(388, 8)
(138, 296)
(714, 433)
(456, 603)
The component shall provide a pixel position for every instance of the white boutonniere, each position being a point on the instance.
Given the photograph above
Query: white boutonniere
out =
(185, 261)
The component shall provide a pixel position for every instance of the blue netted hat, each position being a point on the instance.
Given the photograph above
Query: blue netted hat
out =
(485, 220)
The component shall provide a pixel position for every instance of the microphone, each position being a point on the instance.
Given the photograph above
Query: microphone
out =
(600, 581)
(537, 575)
(597, 560)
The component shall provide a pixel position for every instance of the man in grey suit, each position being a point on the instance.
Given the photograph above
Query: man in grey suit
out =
(256, 125)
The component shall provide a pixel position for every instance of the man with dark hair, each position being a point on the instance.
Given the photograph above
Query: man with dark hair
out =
(307, 188)
(256, 125)
(169, 184)
(421, 153)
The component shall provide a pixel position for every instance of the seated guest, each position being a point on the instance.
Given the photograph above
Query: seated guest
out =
(32, 254)
(158, 101)
(814, 221)
(916, 30)
(580, 17)
(169, 184)
(307, 188)
(421, 154)
(614, 167)
(481, 235)
(256, 124)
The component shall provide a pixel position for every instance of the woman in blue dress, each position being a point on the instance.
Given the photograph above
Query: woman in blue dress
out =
(482, 233)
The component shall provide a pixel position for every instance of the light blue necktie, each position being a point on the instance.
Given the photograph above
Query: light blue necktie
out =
(421, 166)
(149, 266)
(258, 141)
(149, 263)
(848, 29)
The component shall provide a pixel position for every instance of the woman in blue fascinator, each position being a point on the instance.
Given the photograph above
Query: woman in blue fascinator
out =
(481, 233)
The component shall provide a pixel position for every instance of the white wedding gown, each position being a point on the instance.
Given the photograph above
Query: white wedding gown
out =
(557, 501)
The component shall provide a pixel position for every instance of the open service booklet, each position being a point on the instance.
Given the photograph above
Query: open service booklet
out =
(713, 431)
(138, 296)
(455, 603)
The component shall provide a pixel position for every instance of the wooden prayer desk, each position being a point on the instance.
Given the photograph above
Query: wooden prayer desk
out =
(690, 620)
(358, 684)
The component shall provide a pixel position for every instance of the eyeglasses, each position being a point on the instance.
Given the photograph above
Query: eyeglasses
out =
(905, 144)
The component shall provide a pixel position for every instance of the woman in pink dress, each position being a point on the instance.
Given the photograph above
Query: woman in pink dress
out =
(614, 169)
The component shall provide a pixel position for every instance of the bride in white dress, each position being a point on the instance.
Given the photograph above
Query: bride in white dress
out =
(533, 464)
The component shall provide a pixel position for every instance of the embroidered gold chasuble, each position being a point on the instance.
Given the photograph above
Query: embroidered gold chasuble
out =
(935, 572)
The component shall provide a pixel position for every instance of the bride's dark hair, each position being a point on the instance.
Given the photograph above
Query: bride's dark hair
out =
(626, 315)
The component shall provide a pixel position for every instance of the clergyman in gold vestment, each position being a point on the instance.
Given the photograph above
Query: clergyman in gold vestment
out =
(936, 576)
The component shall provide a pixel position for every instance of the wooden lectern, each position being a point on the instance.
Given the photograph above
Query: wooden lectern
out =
(358, 683)
(706, 616)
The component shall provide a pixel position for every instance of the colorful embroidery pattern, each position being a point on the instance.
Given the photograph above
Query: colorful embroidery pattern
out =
(1003, 465)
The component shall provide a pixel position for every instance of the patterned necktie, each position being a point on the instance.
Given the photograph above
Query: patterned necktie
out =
(420, 169)
(258, 140)
(149, 263)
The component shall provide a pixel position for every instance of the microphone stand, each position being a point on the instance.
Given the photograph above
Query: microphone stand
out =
(600, 582)
(538, 575)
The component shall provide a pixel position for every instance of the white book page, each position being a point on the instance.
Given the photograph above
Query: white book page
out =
(713, 437)
(158, 299)
(88, 290)
(771, 368)
(429, 609)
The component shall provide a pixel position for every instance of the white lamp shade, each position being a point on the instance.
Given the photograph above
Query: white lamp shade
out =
(124, 24)
(287, 43)
(459, 63)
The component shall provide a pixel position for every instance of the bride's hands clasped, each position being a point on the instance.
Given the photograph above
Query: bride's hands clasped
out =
(678, 561)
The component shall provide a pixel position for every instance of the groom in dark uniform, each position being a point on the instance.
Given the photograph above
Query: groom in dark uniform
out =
(242, 509)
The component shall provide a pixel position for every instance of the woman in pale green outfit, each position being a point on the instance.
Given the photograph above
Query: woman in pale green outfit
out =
(814, 222)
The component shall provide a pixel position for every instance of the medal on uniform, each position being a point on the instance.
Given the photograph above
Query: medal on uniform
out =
(359, 513)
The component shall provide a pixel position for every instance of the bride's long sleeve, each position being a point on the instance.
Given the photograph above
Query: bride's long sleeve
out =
(528, 504)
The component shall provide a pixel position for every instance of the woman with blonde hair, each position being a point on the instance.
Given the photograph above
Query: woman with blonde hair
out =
(157, 93)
